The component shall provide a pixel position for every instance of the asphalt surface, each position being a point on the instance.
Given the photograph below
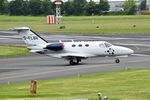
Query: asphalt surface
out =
(39, 67)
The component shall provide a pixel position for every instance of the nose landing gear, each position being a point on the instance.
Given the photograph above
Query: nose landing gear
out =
(117, 60)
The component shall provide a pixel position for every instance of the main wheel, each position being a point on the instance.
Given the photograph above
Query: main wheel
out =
(71, 62)
(117, 60)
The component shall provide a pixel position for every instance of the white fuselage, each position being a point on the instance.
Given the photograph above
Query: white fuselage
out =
(92, 48)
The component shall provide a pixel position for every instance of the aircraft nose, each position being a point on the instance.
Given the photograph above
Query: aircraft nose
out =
(129, 51)
(124, 50)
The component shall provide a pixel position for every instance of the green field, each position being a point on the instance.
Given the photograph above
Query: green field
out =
(119, 85)
(13, 51)
(137, 24)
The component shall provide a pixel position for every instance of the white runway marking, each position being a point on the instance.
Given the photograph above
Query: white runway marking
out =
(134, 44)
(140, 55)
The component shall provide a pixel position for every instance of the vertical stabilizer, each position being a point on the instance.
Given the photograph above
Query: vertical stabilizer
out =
(30, 37)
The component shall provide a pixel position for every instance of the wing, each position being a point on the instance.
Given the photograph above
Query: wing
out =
(71, 55)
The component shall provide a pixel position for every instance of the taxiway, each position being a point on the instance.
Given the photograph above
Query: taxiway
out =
(26, 68)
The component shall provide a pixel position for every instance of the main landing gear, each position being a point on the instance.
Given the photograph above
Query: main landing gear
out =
(74, 61)
(117, 60)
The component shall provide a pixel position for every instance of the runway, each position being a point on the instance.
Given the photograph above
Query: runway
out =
(26, 68)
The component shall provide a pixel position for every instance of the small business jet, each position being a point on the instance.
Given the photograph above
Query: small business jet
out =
(72, 51)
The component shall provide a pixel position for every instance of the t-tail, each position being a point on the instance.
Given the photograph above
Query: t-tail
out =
(33, 41)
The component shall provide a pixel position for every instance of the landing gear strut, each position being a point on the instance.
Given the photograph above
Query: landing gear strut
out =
(117, 60)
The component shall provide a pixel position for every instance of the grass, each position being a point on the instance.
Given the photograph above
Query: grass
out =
(82, 24)
(119, 85)
(12, 51)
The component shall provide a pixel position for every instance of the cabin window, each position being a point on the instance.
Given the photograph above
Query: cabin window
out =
(80, 45)
(87, 45)
(73, 45)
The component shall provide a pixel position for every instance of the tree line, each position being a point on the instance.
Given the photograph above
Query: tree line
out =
(71, 7)
(46, 7)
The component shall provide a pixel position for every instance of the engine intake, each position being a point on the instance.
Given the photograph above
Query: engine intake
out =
(55, 46)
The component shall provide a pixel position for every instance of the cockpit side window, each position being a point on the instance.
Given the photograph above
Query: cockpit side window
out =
(102, 45)
(107, 45)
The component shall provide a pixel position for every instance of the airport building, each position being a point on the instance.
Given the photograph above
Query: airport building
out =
(148, 4)
(117, 5)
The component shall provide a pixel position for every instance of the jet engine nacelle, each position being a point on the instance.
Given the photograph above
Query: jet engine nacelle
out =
(55, 46)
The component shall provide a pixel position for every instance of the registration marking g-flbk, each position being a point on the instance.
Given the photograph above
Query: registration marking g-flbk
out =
(30, 37)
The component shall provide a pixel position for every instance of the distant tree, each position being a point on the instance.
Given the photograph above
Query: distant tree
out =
(97, 9)
(90, 8)
(78, 6)
(47, 7)
(53, 6)
(25, 7)
(35, 7)
(103, 6)
(68, 8)
(3, 6)
(143, 5)
(129, 7)
(16, 7)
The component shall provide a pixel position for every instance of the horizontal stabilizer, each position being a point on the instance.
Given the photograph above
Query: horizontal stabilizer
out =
(139, 55)
(21, 28)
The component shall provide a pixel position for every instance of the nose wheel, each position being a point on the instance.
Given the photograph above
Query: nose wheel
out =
(117, 60)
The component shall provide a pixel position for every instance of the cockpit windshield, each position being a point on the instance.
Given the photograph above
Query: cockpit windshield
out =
(107, 44)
